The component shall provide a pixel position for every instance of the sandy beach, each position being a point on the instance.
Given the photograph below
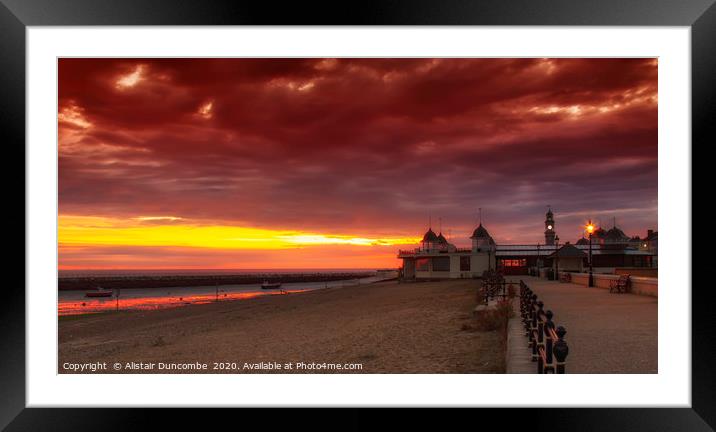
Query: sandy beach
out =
(384, 327)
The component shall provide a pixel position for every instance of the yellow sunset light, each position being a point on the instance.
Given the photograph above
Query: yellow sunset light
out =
(88, 230)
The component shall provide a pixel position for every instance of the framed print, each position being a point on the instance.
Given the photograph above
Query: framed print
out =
(411, 206)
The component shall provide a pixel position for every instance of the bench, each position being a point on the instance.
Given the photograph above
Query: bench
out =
(620, 285)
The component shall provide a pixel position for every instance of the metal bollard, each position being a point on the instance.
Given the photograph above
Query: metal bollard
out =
(541, 334)
(561, 350)
(549, 366)
(540, 337)
(533, 327)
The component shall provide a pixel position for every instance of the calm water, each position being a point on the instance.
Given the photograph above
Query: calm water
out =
(76, 303)
(202, 272)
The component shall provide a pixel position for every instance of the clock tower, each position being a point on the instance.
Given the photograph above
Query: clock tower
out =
(549, 228)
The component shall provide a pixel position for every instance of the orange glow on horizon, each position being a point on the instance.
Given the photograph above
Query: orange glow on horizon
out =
(92, 230)
(91, 242)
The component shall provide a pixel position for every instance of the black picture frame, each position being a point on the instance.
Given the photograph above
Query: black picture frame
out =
(16, 15)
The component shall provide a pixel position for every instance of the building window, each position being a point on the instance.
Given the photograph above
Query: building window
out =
(514, 262)
(465, 263)
(422, 264)
(441, 264)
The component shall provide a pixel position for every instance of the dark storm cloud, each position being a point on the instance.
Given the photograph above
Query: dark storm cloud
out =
(362, 144)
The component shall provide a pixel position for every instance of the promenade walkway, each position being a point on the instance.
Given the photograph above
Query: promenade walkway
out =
(606, 333)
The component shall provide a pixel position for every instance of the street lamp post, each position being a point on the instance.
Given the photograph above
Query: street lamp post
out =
(556, 258)
(538, 263)
(590, 230)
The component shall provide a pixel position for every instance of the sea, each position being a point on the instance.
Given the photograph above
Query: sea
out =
(75, 302)
(200, 272)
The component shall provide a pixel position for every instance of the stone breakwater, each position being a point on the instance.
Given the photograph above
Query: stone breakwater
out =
(170, 281)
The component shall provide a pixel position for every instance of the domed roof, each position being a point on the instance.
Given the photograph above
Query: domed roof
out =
(480, 232)
(442, 239)
(616, 234)
(582, 241)
(599, 233)
(430, 237)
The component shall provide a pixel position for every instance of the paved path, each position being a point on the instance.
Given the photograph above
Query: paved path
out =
(606, 333)
(519, 357)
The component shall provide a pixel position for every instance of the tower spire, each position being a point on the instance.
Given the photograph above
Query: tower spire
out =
(549, 233)
(480, 214)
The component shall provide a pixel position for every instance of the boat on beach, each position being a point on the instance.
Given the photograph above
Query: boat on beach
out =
(270, 285)
(99, 292)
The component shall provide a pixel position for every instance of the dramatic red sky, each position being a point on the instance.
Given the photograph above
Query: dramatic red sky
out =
(338, 163)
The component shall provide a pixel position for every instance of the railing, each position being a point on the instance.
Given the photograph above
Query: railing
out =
(493, 286)
(549, 349)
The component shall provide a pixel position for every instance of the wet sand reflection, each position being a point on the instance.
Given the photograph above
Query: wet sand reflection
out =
(76, 303)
